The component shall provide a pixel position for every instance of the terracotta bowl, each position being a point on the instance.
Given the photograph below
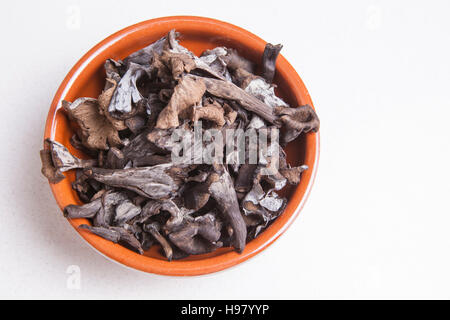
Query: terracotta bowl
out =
(86, 79)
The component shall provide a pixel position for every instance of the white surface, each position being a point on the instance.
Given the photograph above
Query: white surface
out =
(377, 222)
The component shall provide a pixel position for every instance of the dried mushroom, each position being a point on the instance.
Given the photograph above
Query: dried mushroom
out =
(222, 190)
(187, 93)
(156, 182)
(97, 132)
(199, 236)
(116, 235)
(49, 169)
(126, 96)
(153, 228)
(163, 169)
(298, 120)
(63, 160)
(269, 59)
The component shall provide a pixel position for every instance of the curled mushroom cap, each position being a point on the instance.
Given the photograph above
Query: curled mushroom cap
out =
(298, 120)
(63, 160)
(293, 174)
(127, 96)
(96, 131)
(187, 93)
(198, 237)
(48, 168)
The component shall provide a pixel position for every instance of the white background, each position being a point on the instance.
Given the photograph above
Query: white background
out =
(377, 222)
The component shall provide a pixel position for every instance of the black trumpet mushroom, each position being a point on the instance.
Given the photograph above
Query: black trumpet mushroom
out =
(160, 171)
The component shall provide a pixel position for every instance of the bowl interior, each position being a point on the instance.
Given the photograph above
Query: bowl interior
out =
(87, 79)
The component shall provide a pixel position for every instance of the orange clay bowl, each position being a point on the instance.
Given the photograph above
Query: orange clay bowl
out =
(86, 79)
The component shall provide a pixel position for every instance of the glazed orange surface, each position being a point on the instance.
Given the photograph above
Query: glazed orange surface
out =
(86, 79)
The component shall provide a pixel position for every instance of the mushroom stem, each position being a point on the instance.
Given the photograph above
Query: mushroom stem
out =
(222, 190)
(153, 228)
(269, 60)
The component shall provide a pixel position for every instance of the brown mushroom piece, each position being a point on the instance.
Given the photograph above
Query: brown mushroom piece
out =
(222, 190)
(104, 99)
(125, 211)
(126, 95)
(256, 218)
(96, 131)
(230, 114)
(102, 208)
(242, 77)
(144, 56)
(63, 160)
(109, 200)
(228, 90)
(187, 93)
(174, 46)
(48, 168)
(196, 192)
(198, 237)
(162, 139)
(252, 198)
(234, 61)
(88, 210)
(216, 59)
(136, 124)
(298, 120)
(260, 208)
(201, 176)
(293, 174)
(244, 180)
(263, 91)
(151, 208)
(211, 112)
(153, 229)
(116, 235)
(115, 159)
(157, 182)
(275, 180)
(75, 141)
(82, 185)
(269, 59)
(178, 63)
(178, 215)
(197, 196)
(152, 160)
(139, 149)
(112, 71)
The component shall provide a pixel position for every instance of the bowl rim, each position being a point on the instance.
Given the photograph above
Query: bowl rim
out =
(228, 259)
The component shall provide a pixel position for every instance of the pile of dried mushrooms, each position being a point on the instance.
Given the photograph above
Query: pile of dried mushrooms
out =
(134, 194)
